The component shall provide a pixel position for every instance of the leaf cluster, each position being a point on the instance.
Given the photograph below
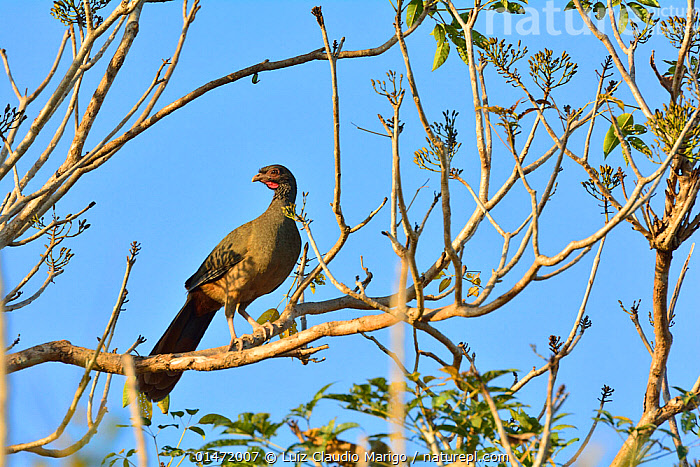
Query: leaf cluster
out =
(668, 123)
(452, 30)
(629, 131)
(429, 158)
(11, 119)
(607, 177)
(638, 7)
(73, 11)
(508, 6)
(504, 55)
(473, 277)
(673, 28)
(551, 72)
(648, 449)
(451, 405)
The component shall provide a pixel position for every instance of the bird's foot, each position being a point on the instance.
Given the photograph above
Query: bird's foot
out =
(236, 344)
(267, 330)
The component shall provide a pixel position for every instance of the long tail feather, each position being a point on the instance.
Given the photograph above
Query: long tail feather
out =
(183, 335)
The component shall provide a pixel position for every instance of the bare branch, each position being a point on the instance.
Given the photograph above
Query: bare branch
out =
(52, 225)
(134, 409)
(616, 58)
(87, 363)
(679, 283)
(3, 55)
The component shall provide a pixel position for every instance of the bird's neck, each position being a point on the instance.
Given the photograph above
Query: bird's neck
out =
(285, 194)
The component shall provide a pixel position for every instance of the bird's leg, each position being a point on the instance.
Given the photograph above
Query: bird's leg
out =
(234, 340)
(267, 328)
(230, 313)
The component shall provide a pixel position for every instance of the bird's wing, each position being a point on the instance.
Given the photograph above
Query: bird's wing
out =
(229, 252)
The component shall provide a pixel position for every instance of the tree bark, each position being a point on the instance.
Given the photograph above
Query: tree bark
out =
(631, 452)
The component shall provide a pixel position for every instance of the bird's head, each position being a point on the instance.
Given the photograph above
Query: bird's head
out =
(279, 178)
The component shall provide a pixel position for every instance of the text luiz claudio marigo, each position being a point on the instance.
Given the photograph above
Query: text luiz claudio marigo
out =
(391, 457)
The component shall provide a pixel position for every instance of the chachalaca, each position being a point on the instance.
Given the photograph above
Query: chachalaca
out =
(249, 262)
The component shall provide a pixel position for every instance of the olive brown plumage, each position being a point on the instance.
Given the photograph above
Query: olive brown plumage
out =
(249, 262)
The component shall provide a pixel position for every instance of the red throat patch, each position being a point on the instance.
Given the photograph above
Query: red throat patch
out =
(272, 185)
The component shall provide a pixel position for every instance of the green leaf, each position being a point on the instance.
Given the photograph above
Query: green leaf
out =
(145, 407)
(639, 145)
(255, 78)
(215, 419)
(637, 130)
(503, 6)
(439, 33)
(610, 142)
(623, 20)
(164, 404)
(459, 42)
(107, 457)
(413, 11)
(584, 3)
(270, 315)
(599, 10)
(443, 50)
(626, 124)
(125, 395)
(479, 39)
(499, 6)
(515, 8)
(345, 426)
(688, 421)
(614, 100)
(292, 330)
(439, 400)
(640, 11)
(197, 430)
(465, 18)
(651, 3)
(445, 283)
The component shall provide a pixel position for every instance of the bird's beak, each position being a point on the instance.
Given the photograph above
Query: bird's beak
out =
(258, 177)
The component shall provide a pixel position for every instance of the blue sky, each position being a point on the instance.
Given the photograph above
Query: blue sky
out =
(185, 183)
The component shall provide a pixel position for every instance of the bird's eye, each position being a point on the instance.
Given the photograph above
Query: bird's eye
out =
(274, 172)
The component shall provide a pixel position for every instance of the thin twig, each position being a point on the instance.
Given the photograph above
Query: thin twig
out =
(134, 410)
(88, 367)
(679, 283)
(332, 56)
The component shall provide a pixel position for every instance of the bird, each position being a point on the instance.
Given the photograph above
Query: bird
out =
(251, 261)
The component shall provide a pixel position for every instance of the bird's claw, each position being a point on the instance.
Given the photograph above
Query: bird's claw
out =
(268, 330)
(236, 344)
